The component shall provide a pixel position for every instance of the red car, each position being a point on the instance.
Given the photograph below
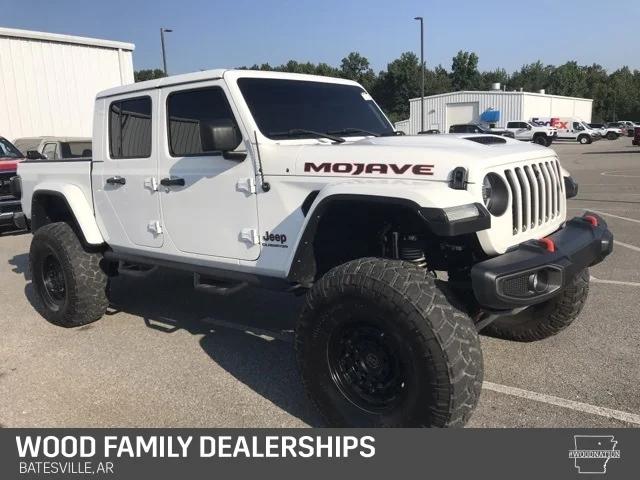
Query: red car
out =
(10, 156)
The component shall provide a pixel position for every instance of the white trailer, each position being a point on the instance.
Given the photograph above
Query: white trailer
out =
(48, 82)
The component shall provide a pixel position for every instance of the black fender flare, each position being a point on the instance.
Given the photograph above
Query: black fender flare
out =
(302, 269)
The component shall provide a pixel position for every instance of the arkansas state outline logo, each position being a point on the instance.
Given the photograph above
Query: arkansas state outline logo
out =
(592, 452)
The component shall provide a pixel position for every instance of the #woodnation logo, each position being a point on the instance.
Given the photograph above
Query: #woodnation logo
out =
(592, 452)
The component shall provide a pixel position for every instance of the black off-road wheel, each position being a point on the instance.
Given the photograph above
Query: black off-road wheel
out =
(545, 319)
(379, 344)
(612, 136)
(541, 140)
(68, 278)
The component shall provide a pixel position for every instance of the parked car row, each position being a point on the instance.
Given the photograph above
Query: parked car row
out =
(543, 131)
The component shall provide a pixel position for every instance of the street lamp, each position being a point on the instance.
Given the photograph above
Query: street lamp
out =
(164, 53)
(422, 67)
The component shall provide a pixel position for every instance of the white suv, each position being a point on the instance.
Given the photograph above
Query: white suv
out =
(300, 183)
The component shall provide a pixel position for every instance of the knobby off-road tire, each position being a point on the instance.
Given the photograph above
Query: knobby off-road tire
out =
(546, 319)
(379, 345)
(541, 140)
(68, 279)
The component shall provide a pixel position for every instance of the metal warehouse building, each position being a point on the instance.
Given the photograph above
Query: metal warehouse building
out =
(442, 111)
(48, 82)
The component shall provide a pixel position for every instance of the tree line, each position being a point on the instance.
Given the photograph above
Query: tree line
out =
(615, 95)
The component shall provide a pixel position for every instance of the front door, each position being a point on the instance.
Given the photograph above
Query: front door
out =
(124, 178)
(209, 204)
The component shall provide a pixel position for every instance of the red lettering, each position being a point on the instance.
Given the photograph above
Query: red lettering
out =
(399, 169)
(323, 167)
(376, 167)
(342, 167)
(422, 169)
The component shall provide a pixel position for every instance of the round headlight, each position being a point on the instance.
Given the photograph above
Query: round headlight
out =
(486, 191)
(494, 194)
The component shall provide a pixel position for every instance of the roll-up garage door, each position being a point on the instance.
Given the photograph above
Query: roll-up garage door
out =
(461, 113)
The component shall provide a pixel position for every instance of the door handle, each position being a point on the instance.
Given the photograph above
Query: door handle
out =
(116, 180)
(172, 182)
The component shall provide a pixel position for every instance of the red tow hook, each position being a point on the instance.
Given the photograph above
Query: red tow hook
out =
(592, 220)
(548, 244)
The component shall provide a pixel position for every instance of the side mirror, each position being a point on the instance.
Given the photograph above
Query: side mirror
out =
(221, 136)
(529, 127)
(35, 155)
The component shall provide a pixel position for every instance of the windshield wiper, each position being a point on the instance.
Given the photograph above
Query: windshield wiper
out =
(302, 131)
(348, 130)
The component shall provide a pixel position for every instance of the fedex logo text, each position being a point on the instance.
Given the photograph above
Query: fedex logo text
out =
(552, 122)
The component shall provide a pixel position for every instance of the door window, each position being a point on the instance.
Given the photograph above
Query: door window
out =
(189, 113)
(130, 128)
(50, 151)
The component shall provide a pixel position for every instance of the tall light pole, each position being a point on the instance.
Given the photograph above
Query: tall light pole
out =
(164, 53)
(422, 69)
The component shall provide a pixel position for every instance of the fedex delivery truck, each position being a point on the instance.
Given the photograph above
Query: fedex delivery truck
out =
(569, 128)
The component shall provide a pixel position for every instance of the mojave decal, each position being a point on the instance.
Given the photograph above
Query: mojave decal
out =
(369, 168)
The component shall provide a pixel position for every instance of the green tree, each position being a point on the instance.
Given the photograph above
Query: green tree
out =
(531, 77)
(569, 80)
(395, 86)
(464, 71)
(148, 74)
(356, 67)
(437, 81)
(487, 79)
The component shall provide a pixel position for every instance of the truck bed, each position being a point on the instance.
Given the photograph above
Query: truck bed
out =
(58, 175)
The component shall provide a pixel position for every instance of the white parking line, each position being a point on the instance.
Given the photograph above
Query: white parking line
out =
(618, 173)
(563, 402)
(615, 282)
(626, 245)
(287, 336)
(634, 220)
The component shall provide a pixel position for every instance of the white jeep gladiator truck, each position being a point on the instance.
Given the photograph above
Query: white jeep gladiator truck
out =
(528, 132)
(300, 183)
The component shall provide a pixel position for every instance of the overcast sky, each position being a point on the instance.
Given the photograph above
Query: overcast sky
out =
(219, 33)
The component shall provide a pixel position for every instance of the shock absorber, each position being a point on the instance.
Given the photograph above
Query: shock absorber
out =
(410, 250)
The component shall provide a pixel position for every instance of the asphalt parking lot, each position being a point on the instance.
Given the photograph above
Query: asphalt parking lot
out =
(166, 356)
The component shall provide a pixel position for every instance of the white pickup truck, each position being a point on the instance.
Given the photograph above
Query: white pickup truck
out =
(300, 183)
(528, 132)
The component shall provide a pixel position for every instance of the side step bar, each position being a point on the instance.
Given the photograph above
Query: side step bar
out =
(217, 286)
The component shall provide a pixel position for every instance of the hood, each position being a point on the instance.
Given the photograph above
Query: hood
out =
(420, 157)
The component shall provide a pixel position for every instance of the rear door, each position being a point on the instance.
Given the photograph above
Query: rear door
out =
(125, 172)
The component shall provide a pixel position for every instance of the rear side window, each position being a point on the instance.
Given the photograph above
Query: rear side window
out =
(189, 112)
(130, 128)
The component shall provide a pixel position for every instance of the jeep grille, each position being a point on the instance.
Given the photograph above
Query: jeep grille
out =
(537, 195)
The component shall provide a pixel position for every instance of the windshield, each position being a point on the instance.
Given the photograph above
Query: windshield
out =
(7, 150)
(296, 109)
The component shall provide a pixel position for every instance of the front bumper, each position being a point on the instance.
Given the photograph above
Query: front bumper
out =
(535, 271)
(9, 209)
